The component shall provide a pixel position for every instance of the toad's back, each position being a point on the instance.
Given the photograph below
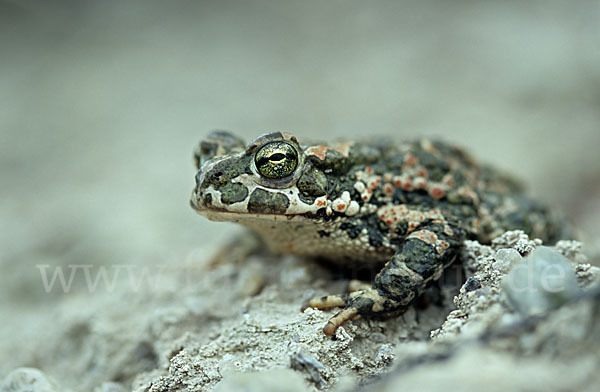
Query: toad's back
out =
(427, 175)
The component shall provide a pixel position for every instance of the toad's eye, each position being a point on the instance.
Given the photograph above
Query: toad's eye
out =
(276, 160)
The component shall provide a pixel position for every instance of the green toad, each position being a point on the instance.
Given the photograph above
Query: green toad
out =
(404, 209)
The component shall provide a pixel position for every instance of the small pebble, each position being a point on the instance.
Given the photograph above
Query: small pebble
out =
(506, 258)
(472, 284)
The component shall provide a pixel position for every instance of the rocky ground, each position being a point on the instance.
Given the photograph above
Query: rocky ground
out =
(239, 325)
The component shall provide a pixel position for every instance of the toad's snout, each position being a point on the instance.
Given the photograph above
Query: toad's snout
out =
(200, 198)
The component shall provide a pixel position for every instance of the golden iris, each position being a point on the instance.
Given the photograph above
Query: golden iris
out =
(276, 160)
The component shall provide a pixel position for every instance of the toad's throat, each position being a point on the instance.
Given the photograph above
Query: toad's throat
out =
(305, 236)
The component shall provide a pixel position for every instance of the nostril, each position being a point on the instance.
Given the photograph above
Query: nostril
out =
(218, 174)
(208, 200)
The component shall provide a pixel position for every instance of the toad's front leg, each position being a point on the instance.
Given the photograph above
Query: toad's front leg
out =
(422, 258)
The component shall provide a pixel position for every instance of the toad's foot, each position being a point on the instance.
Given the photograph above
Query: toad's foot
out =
(422, 259)
(366, 301)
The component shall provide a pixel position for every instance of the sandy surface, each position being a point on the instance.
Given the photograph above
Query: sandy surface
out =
(102, 103)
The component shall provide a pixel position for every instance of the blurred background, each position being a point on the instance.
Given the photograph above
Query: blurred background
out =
(103, 102)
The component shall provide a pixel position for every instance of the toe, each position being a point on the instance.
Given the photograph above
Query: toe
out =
(340, 318)
(357, 285)
(326, 302)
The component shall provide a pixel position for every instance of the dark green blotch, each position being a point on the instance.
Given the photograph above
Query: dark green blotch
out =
(375, 238)
(223, 172)
(323, 233)
(312, 184)
(401, 228)
(423, 258)
(334, 162)
(364, 304)
(263, 202)
(336, 185)
(233, 193)
(395, 286)
(420, 257)
(352, 229)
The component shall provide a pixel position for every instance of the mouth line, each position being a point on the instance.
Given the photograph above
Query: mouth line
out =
(220, 215)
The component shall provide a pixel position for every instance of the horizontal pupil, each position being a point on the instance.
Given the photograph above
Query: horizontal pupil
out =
(277, 157)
